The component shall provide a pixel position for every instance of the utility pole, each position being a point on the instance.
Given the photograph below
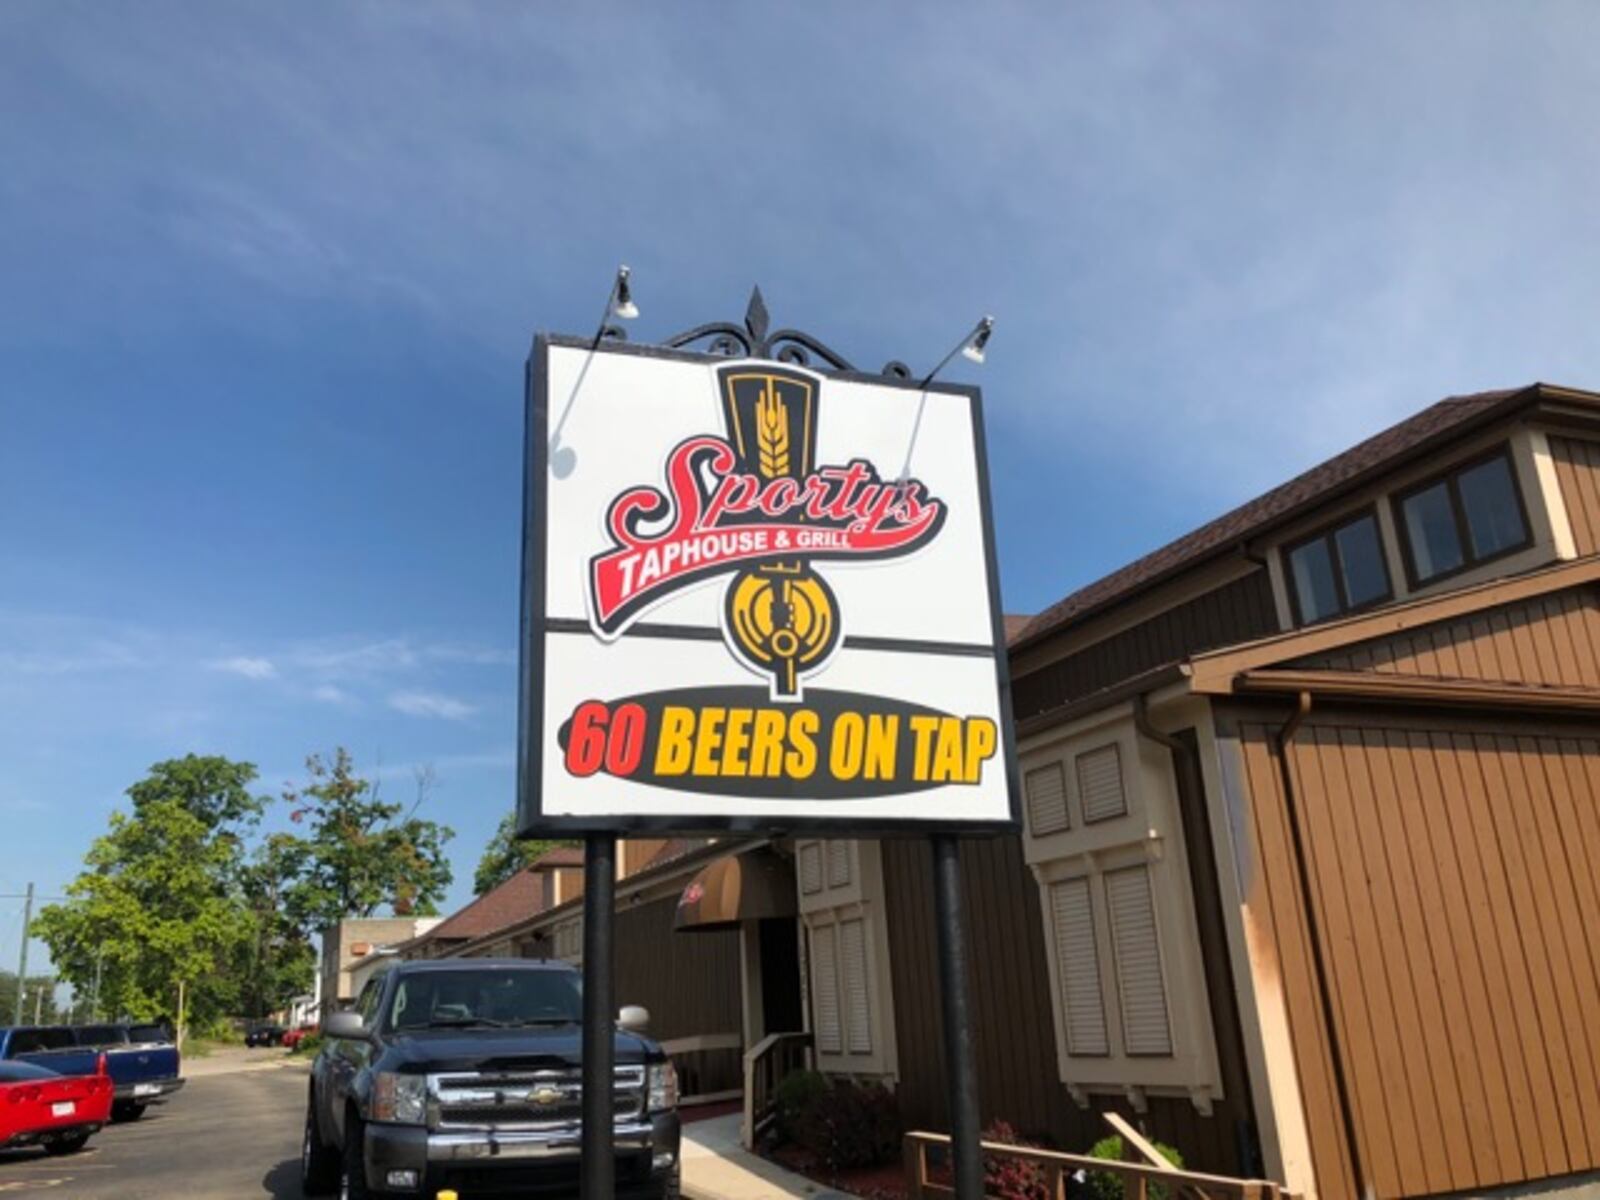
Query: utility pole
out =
(99, 962)
(38, 1004)
(22, 957)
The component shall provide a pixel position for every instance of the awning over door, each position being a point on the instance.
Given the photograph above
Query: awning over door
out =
(746, 886)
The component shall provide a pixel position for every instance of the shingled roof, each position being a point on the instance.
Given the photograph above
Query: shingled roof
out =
(520, 896)
(1441, 422)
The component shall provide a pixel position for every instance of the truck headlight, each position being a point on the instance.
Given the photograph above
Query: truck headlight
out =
(402, 1099)
(663, 1087)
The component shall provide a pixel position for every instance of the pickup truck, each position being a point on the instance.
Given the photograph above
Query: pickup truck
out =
(466, 1074)
(143, 1065)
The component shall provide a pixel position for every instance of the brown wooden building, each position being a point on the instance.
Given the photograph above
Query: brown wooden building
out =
(1307, 886)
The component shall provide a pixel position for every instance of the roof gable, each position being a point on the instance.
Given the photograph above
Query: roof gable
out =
(1438, 424)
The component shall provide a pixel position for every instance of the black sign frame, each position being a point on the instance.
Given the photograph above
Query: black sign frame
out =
(535, 624)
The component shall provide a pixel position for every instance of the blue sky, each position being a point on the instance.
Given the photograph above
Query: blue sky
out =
(268, 273)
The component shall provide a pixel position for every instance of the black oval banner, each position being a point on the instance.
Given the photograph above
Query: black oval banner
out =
(738, 741)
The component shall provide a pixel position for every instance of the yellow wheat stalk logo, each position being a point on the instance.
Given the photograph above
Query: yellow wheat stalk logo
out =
(772, 433)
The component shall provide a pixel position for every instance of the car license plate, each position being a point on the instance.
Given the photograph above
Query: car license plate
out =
(64, 1109)
(146, 1089)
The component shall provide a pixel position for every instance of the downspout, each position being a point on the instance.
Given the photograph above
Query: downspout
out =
(1285, 738)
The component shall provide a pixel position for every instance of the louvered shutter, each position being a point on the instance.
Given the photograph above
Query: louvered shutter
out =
(1100, 784)
(810, 868)
(825, 978)
(1145, 1029)
(838, 864)
(1072, 915)
(1046, 788)
(857, 1005)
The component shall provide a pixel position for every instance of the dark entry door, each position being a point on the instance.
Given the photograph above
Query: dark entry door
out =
(780, 974)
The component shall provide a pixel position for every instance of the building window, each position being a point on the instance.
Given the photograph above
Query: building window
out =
(1078, 967)
(1100, 788)
(1140, 984)
(1339, 571)
(1472, 515)
(1046, 788)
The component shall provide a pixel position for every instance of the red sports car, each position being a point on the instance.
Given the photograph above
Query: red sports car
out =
(59, 1112)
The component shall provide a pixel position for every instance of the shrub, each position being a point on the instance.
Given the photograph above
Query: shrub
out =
(849, 1125)
(1105, 1186)
(795, 1093)
(308, 1045)
(1009, 1178)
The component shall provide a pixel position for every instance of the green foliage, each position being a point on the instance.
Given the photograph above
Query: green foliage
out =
(796, 1092)
(362, 853)
(159, 902)
(1105, 1186)
(308, 1045)
(49, 1014)
(506, 854)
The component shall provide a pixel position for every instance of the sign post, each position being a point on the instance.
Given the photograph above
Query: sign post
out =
(759, 597)
(597, 1164)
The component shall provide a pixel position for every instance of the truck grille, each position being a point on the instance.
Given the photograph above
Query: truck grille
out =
(523, 1100)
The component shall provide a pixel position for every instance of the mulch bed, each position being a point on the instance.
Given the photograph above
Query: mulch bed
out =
(871, 1183)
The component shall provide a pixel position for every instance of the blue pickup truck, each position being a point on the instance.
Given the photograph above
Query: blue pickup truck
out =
(142, 1061)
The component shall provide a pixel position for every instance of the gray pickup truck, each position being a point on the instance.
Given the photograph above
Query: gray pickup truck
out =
(466, 1074)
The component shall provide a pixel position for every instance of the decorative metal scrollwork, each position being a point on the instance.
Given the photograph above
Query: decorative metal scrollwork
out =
(757, 340)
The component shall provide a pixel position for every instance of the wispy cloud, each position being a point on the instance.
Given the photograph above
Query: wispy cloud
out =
(330, 693)
(431, 704)
(250, 668)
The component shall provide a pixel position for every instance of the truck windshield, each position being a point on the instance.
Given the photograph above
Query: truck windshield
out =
(485, 997)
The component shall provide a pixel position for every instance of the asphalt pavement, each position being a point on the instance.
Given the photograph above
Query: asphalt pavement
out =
(232, 1133)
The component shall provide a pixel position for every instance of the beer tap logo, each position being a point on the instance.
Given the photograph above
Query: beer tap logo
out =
(781, 617)
(756, 505)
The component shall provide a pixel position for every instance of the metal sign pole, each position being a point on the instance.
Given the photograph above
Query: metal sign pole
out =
(965, 1151)
(598, 1171)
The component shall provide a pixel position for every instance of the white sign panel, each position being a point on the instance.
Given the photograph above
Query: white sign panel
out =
(756, 597)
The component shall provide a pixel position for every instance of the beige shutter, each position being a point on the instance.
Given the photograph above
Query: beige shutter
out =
(838, 864)
(1145, 1029)
(1072, 915)
(1046, 788)
(1100, 784)
(810, 868)
(857, 1004)
(825, 990)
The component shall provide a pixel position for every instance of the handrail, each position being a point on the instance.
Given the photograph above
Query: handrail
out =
(1058, 1166)
(765, 1065)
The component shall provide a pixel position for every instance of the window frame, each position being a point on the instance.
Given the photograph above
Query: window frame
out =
(1325, 533)
(1451, 477)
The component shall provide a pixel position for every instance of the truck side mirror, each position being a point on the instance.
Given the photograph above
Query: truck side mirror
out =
(348, 1025)
(633, 1018)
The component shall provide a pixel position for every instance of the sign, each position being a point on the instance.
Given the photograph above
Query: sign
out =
(756, 597)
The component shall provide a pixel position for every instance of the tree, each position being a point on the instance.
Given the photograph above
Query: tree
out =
(158, 913)
(506, 854)
(36, 984)
(276, 961)
(362, 853)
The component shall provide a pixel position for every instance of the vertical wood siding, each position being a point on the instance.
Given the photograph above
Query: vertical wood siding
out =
(1453, 891)
(688, 981)
(1235, 612)
(1578, 471)
(1013, 1036)
(1553, 640)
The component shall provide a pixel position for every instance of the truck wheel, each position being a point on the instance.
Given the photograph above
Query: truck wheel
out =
(319, 1165)
(67, 1145)
(126, 1110)
(353, 1175)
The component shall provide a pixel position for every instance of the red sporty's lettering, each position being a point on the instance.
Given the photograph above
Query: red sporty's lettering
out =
(712, 517)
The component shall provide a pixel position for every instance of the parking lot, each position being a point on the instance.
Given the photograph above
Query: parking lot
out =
(232, 1133)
